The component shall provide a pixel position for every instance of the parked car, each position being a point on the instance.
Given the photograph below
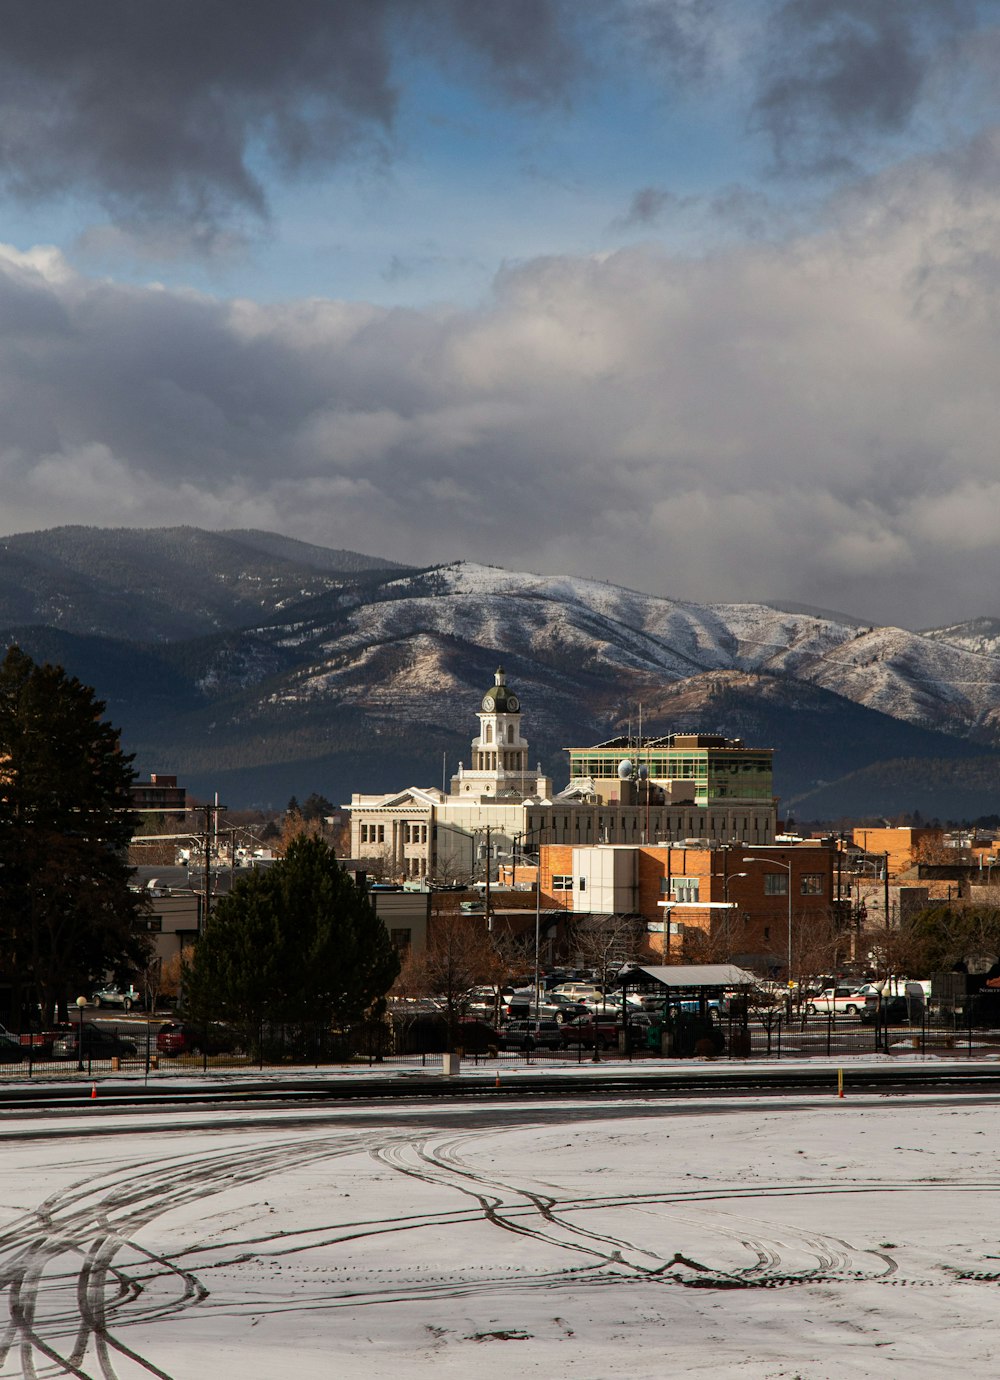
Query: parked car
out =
(98, 1043)
(586, 1029)
(607, 1029)
(564, 1008)
(579, 991)
(38, 1043)
(523, 1010)
(180, 1037)
(841, 1000)
(888, 1011)
(114, 996)
(528, 1035)
(11, 1050)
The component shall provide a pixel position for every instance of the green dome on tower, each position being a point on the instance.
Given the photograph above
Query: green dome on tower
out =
(499, 699)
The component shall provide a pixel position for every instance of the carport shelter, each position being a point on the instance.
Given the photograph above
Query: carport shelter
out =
(685, 1033)
(700, 982)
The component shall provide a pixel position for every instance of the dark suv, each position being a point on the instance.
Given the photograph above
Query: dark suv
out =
(890, 1011)
(529, 1035)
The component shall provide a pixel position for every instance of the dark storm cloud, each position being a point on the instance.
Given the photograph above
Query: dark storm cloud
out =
(647, 208)
(173, 113)
(159, 108)
(839, 73)
(530, 48)
(153, 106)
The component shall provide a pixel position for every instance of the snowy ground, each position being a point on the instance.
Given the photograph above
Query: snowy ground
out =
(807, 1237)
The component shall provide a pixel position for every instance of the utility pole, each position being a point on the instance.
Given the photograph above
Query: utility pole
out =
(206, 840)
(489, 915)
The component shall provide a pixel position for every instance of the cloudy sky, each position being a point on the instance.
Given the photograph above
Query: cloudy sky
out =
(698, 296)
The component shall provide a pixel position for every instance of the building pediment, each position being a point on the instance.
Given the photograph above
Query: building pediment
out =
(414, 797)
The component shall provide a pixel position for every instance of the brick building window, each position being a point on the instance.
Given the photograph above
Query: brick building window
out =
(812, 884)
(684, 889)
(775, 883)
(562, 882)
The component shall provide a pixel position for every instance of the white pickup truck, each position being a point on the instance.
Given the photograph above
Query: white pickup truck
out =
(846, 1001)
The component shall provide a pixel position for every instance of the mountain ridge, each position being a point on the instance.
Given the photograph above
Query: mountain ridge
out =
(296, 674)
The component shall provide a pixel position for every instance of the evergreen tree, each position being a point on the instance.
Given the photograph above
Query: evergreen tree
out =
(316, 807)
(296, 944)
(67, 916)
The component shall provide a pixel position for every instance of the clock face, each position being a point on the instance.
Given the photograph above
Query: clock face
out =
(512, 704)
(489, 703)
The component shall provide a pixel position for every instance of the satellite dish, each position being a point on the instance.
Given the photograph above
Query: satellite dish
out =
(643, 772)
(624, 769)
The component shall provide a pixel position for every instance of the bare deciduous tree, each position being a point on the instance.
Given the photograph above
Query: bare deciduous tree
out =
(459, 954)
(605, 943)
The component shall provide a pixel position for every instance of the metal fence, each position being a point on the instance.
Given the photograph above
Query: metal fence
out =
(948, 1033)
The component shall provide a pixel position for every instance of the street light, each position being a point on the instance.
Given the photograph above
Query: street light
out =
(788, 868)
(730, 877)
(81, 1002)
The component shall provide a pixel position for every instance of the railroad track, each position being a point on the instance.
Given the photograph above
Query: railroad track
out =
(505, 1085)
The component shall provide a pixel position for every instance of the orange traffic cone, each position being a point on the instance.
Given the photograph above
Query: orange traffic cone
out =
(497, 1082)
(93, 1090)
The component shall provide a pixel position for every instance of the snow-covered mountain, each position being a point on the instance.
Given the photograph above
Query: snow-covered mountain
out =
(299, 674)
(978, 635)
(629, 644)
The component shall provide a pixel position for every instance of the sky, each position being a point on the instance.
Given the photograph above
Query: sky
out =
(697, 296)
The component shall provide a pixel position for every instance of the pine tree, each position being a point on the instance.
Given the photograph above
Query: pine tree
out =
(67, 916)
(296, 944)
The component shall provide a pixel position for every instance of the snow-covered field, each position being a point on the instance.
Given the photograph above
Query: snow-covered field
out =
(807, 1237)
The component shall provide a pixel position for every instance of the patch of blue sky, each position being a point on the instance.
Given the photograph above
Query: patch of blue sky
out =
(473, 185)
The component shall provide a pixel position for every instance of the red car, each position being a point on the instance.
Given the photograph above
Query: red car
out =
(585, 1029)
(178, 1037)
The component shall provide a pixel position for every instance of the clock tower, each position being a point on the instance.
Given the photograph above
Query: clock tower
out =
(500, 755)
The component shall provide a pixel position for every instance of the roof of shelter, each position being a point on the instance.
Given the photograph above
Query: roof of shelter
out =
(692, 975)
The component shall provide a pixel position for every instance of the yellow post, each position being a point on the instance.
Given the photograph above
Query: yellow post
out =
(840, 1082)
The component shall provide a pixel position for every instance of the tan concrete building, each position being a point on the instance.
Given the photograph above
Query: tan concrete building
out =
(902, 846)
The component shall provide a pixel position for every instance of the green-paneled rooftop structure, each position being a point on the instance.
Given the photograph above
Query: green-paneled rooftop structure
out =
(705, 767)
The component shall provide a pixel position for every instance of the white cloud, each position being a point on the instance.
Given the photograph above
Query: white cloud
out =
(812, 421)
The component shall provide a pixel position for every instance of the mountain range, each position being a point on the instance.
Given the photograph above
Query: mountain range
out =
(260, 667)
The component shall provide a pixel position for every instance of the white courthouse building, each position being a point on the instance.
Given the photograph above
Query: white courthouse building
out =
(422, 832)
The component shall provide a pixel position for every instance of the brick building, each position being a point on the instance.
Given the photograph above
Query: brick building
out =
(704, 899)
